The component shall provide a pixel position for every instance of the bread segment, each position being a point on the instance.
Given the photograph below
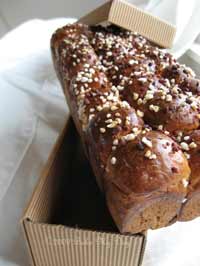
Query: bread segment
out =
(132, 104)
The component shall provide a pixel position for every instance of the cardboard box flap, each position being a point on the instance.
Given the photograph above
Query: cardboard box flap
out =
(128, 16)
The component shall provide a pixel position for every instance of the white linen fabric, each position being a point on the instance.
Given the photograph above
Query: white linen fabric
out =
(185, 15)
(32, 114)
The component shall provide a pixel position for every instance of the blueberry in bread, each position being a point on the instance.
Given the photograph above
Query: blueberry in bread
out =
(137, 112)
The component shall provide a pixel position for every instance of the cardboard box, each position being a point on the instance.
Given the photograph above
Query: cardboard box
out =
(130, 17)
(67, 221)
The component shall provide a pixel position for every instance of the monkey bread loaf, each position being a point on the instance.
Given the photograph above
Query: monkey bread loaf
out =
(137, 111)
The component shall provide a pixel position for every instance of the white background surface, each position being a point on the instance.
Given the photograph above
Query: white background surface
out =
(33, 112)
(12, 12)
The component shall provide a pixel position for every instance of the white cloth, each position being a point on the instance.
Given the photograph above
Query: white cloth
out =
(184, 14)
(33, 112)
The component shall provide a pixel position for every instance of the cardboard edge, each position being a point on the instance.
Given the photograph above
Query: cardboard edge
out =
(142, 234)
(143, 247)
(26, 215)
(97, 15)
(110, 10)
(28, 244)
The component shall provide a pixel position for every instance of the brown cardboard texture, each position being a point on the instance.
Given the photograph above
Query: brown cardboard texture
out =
(67, 221)
(132, 18)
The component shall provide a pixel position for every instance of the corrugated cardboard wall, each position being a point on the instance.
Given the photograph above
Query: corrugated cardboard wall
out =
(60, 246)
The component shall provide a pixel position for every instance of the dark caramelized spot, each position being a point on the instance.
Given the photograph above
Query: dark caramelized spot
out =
(140, 146)
(174, 170)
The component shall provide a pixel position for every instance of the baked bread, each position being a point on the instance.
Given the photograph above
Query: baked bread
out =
(137, 112)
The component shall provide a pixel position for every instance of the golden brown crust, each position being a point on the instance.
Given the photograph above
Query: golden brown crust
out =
(150, 80)
(129, 100)
(190, 209)
(107, 129)
(143, 175)
(194, 152)
(145, 212)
